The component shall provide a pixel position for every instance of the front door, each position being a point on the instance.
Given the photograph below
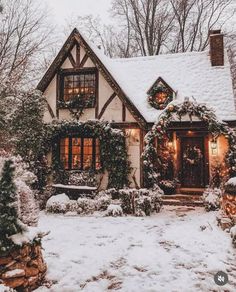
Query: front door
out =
(192, 162)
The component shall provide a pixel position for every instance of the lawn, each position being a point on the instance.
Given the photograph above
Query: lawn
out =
(179, 249)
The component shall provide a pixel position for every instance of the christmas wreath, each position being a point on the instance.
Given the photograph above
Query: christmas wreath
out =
(159, 97)
(192, 155)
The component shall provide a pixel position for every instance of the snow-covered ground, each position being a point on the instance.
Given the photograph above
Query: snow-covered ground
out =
(179, 249)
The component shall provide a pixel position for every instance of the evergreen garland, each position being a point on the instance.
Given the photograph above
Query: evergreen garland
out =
(152, 167)
(9, 224)
(152, 96)
(113, 150)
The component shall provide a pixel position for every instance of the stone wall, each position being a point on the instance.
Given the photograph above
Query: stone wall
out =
(23, 269)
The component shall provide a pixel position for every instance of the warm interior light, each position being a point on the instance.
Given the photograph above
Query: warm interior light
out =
(214, 148)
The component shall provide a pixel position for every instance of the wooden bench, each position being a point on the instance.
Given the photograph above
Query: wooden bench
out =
(74, 192)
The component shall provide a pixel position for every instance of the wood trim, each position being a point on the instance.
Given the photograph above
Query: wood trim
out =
(97, 94)
(84, 60)
(141, 147)
(106, 105)
(72, 60)
(159, 79)
(126, 125)
(50, 110)
(77, 55)
(207, 158)
(58, 92)
(123, 112)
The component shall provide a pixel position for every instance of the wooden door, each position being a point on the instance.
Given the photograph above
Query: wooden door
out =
(192, 162)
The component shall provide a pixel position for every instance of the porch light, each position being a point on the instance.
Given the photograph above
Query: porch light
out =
(170, 144)
(214, 148)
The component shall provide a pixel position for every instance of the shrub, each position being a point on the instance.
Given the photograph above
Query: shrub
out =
(72, 206)
(83, 179)
(211, 199)
(58, 204)
(143, 206)
(114, 210)
(168, 186)
(233, 235)
(86, 206)
(127, 200)
(230, 186)
(103, 200)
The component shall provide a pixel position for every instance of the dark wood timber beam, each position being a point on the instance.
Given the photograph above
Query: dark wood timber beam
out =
(106, 104)
(84, 60)
(72, 60)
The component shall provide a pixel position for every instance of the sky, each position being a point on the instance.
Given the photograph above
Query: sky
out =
(62, 10)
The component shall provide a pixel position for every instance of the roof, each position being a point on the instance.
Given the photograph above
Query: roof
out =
(188, 74)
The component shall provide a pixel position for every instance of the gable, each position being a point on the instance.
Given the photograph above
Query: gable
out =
(69, 56)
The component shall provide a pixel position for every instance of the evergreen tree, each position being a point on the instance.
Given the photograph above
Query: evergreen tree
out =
(9, 224)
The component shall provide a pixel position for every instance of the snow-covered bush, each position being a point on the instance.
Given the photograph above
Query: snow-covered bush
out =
(114, 193)
(143, 206)
(72, 206)
(82, 179)
(86, 206)
(58, 204)
(114, 210)
(24, 179)
(103, 200)
(211, 199)
(233, 235)
(230, 186)
(141, 201)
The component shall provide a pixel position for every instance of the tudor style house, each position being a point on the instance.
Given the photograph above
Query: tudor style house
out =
(132, 93)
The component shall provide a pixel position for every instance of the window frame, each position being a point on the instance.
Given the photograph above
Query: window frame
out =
(75, 71)
(70, 152)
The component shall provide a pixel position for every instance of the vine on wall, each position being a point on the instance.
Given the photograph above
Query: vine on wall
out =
(113, 150)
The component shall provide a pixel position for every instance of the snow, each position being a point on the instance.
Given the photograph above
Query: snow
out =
(114, 210)
(231, 181)
(74, 187)
(170, 251)
(188, 74)
(27, 236)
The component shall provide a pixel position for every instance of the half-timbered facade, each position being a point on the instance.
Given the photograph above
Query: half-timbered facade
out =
(131, 94)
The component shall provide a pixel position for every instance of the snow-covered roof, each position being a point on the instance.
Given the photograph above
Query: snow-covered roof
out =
(189, 74)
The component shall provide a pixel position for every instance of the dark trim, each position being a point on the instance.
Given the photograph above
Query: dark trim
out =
(77, 55)
(84, 60)
(72, 60)
(142, 134)
(106, 105)
(123, 112)
(126, 125)
(231, 123)
(97, 94)
(159, 79)
(50, 110)
(58, 89)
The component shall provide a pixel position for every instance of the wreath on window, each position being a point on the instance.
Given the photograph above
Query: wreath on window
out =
(192, 155)
(159, 97)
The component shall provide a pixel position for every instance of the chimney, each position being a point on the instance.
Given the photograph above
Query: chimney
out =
(216, 47)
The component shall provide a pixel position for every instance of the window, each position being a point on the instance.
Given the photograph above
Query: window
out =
(80, 153)
(79, 84)
(160, 94)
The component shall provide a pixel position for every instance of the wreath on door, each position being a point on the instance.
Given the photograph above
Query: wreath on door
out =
(192, 155)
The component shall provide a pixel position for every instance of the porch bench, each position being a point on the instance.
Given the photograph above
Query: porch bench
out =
(74, 192)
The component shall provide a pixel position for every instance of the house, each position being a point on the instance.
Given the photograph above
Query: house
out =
(132, 94)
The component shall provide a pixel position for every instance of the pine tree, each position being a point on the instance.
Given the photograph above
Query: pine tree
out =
(9, 224)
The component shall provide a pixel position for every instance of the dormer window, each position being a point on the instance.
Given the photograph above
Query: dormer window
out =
(78, 87)
(160, 94)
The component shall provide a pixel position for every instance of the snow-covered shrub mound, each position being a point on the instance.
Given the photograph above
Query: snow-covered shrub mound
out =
(211, 199)
(86, 206)
(143, 206)
(72, 206)
(233, 235)
(103, 200)
(230, 186)
(114, 210)
(28, 210)
(83, 179)
(141, 201)
(58, 204)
